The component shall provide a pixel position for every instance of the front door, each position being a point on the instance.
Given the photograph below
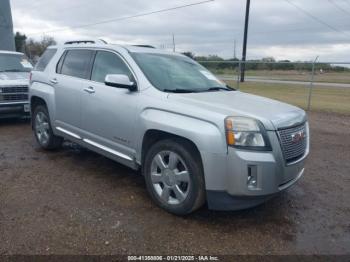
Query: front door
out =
(109, 113)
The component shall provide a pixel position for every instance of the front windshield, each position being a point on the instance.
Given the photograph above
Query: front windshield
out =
(14, 63)
(172, 73)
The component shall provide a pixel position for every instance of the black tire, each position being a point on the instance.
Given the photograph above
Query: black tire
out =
(196, 194)
(53, 142)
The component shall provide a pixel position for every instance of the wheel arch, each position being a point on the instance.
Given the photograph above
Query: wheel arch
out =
(205, 136)
(35, 101)
(44, 94)
(153, 136)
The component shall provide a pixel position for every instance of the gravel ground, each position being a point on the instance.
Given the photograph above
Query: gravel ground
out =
(76, 202)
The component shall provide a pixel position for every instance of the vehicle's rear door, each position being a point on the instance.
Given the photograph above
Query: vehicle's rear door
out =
(73, 72)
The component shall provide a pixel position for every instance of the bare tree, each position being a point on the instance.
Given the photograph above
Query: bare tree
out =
(34, 49)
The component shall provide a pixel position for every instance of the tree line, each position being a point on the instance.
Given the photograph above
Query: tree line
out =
(215, 62)
(31, 48)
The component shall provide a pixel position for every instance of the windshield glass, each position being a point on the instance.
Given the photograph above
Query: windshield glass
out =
(14, 63)
(171, 73)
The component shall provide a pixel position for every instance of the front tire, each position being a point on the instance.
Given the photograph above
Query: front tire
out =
(43, 130)
(174, 176)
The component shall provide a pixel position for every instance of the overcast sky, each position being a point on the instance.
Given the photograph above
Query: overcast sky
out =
(276, 27)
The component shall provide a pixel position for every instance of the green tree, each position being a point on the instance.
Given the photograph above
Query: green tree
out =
(189, 54)
(20, 42)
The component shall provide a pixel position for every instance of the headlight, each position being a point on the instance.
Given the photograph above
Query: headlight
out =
(246, 132)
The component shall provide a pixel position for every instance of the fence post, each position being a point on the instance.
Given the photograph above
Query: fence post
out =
(311, 83)
(238, 75)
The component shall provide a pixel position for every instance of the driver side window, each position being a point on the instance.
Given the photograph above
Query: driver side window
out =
(108, 63)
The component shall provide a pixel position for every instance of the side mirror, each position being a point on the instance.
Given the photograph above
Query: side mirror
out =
(120, 81)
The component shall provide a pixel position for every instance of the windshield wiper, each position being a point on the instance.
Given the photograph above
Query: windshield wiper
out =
(178, 90)
(218, 88)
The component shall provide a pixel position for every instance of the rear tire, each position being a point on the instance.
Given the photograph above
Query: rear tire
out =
(43, 130)
(174, 176)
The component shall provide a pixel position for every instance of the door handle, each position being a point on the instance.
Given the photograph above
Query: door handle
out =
(54, 81)
(89, 90)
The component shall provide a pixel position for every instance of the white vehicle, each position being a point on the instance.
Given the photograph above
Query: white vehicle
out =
(14, 82)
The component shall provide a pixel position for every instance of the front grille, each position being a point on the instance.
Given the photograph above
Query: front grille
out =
(13, 97)
(13, 94)
(13, 89)
(293, 142)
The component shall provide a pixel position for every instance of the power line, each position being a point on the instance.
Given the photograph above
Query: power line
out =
(125, 18)
(297, 28)
(315, 18)
(338, 7)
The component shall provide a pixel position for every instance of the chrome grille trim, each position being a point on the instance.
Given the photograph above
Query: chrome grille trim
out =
(13, 89)
(13, 93)
(293, 151)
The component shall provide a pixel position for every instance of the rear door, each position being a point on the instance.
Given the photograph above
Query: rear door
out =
(73, 72)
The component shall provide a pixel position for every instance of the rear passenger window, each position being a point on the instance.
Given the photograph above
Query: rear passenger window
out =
(77, 63)
(45, 59)
(108, 63)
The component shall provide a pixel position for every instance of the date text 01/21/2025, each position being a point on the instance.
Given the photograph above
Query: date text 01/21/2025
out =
(173, 258)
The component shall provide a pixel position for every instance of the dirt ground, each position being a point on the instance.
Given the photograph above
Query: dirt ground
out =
(76, 202)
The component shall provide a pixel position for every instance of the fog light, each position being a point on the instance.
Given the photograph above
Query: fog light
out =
(252, 178)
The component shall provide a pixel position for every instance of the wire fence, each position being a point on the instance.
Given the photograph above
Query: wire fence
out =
(316, 86)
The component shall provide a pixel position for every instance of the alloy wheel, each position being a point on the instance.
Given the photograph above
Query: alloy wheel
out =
(170, 177)
(42, 128)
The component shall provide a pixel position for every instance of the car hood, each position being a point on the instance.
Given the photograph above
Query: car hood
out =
(14, 78)
(273, 114)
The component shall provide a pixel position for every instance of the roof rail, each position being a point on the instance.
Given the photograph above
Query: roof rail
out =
(147, 46)
(102, 41)
(85, 42)
(80, 42)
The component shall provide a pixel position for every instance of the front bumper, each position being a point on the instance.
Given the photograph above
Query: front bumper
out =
(221, 200)
(227, 188)
(15, 109)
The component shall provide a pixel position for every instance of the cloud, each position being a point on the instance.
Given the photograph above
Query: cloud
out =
(276, 28)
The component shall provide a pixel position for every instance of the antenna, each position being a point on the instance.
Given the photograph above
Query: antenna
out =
(174, 43)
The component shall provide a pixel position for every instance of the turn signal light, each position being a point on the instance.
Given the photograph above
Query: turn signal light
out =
(230, 137)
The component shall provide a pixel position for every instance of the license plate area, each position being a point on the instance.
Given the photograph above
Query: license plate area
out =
(26, 108)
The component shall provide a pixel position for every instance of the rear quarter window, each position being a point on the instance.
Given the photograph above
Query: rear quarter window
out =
(45, 59)
(76, 63)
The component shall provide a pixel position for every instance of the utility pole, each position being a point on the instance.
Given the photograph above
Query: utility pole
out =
(244, 54)
(174, 43)
(7, 41)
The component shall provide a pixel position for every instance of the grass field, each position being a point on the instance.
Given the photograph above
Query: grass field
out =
(330, 99)
(328, 77)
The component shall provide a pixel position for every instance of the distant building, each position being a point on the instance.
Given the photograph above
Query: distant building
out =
(7, 41)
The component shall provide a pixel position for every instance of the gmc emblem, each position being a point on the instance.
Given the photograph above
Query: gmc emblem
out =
(298, 136)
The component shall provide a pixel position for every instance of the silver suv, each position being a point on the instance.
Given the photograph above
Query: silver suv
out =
(195, 139)
(14, 81)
